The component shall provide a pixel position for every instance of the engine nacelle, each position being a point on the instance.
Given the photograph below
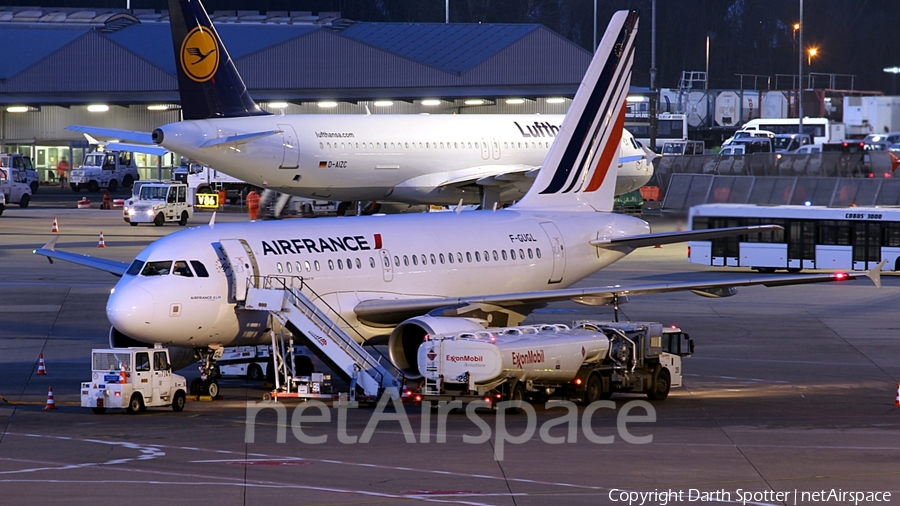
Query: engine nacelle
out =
(180, 357)
(403, 345)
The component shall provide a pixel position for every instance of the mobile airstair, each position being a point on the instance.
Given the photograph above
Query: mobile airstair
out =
(283, 297)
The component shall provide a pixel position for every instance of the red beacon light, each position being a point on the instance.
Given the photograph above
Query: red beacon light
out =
(487, 399)
(840, 276)
(577, 381)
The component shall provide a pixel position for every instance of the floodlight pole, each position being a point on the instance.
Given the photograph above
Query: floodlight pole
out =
(800, 75)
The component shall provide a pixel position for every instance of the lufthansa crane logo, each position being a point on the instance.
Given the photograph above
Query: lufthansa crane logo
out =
(200, 55)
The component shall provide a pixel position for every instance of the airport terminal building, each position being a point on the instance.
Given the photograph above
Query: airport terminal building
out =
(116, 69)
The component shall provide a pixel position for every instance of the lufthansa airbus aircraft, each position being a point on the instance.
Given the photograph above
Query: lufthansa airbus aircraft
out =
(410, 275)
(414, 159)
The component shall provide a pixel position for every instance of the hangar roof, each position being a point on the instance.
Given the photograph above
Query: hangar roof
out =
(70, 56)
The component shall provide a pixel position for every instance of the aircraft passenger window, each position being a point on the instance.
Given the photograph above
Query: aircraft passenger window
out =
(387, 262)
(200, 269)
(427, 145)
(359, 264)
(420, 145)
(392, 145)
(432, 260)
(537, 251)
(459, 257)
(495, 256)
(182, 269)
(357, 145)
(487, 256)
(306, 264)
(157, 268)
(469, 256)
(280, 268)
(331, 265)
(424, 259)
(135, 268)
(287, 265)
(503, 253)
(378, 145)
(340, 264)
(396, 261)
(406, 260)
(455, 145)
(328, 144)
(372, 262)
(505, 145)
(299, 267)
(441, 258)
(521, 254)
(415, 260)
(407, 145)
(530, 255)
(159, 361)
(141, 362)
(316, 265)
(442, 145)
(321, 146)
(349, 264)
(343, 146)
(450, 257)
(476, 145)
(512, 254)
(477, 256)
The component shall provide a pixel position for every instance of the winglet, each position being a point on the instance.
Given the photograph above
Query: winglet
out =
(212, 220)
(875, 273)
(50, 246)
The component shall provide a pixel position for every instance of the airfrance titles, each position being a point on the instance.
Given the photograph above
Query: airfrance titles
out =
(319, 245)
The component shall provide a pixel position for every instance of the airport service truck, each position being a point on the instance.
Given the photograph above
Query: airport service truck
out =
(105, 169)
(134, 379)
(14, 187)
(23, 164)
(158, 203)
(585, 363)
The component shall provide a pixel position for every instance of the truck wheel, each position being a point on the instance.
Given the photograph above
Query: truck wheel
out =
(593, 389)
(98, 411)
(133, 223)
(159, 220)
(212, 388)
(196, 386)
(136, 404)
(93, 186)
(662, 381)
(34, 186)
(254, 372)
(184, 217)
(127, 181)
(25, 200)
(75, 188)
(517, 395)
(113, 185)
(178, 401)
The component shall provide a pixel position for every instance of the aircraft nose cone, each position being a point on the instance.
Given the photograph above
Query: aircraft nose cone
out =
(130, 310)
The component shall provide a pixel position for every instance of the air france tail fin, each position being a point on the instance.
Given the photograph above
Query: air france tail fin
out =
(209, 83)
(579, 172)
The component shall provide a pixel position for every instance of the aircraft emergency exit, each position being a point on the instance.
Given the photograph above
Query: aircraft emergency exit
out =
(415, 159)
(410, 275)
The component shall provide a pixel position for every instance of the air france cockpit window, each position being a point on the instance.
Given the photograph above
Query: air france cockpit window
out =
(154, 192)
(182, 269)
(135, 268)
(157, 268)
(200, 269)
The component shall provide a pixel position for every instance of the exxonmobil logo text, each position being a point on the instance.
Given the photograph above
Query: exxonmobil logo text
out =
(529, 357)
(464, 358)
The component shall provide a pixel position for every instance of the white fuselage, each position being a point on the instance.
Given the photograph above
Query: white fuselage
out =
(390, 257)
(416, 159)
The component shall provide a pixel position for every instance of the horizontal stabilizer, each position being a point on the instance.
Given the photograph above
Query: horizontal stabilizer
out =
(239, 139)
(112, 133)
(111, 266)
(137, 148)
(640, 241)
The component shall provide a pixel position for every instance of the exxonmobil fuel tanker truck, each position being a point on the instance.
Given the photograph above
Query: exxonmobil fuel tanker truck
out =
(534, 362)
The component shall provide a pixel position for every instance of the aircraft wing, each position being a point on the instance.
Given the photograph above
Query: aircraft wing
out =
(137, 148)
(111, 266)
(493, 175)
(640, 241)
(112, 133)
(393, 311)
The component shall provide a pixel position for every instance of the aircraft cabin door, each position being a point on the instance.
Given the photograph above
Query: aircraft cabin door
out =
(291, 157)
(558, 249)
(386, 265)
(244, 269)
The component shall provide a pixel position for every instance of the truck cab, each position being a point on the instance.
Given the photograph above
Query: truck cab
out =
(22, 164)
(105, 169)
(14, 186)
(134, 379)
(158, 203)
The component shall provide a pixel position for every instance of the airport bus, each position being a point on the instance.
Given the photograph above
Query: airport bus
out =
(669, 127)
(821, 130)
(814, 237)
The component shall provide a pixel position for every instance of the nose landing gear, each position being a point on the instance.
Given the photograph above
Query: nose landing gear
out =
(207, 383)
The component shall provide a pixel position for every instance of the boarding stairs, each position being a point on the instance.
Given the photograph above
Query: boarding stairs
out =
(283, 297)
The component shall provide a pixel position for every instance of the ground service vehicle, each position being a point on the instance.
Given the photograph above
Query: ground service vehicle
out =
(249, 361)
(134, 379)
(14, 186)
(585, 363)
(23, 164)
(814, 237)
(104, 169)
(158, 203)
(203, 180)
(821, 129)
(2, 203)
(790, 142)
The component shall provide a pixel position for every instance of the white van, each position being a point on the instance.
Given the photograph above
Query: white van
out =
(14, 186)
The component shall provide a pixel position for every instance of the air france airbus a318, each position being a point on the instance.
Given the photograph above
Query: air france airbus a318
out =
(410, 275)
(406, 158)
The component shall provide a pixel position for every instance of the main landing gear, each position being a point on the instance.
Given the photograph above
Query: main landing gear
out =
(206, 384)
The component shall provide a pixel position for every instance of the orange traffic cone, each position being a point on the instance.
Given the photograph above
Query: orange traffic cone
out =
(50, 403)
(897, 400)
(658, 246)
(55, 228)
(102, 243)
(42, 370)
(123, 376)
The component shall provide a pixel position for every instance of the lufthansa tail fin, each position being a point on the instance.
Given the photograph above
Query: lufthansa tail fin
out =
(209, 83)
(579, 172)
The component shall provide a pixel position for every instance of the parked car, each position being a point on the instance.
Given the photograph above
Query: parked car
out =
(785, 143)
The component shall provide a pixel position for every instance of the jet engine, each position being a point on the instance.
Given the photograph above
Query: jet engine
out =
(180, 356)
(403, 345)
